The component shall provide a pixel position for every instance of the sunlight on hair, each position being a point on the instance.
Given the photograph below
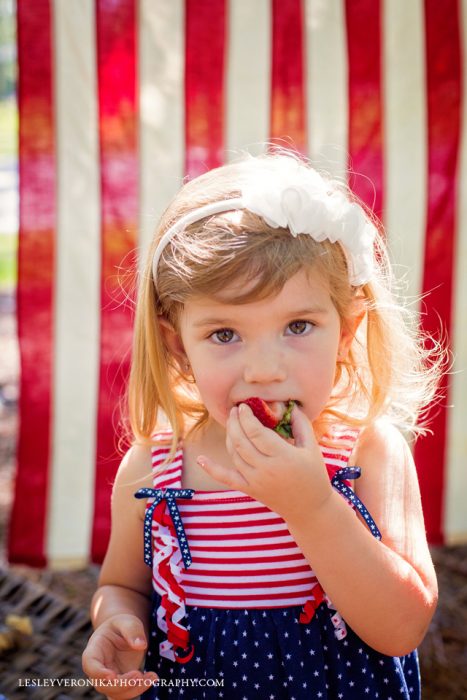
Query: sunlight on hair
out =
(391, 369)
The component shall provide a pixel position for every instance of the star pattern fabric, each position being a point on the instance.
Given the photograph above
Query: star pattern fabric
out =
(268, 654)
(338, 482)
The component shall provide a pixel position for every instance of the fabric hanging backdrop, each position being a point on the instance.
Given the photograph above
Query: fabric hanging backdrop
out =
(118, 101)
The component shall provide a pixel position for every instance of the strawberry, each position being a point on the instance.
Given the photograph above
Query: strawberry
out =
(262, 412)
(265, 416)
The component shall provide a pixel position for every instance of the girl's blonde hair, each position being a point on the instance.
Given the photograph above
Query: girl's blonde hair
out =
(391, 370)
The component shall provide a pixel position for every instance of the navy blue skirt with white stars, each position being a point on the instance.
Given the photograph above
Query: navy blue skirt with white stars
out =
(267, 653)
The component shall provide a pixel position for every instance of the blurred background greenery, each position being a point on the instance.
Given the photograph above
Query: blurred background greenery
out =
(8, 148)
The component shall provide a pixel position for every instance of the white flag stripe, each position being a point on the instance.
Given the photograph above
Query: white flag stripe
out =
(162, 112)
(405, 137)
(77, 286)
(456, 474)
(327, 85)
(248, 71)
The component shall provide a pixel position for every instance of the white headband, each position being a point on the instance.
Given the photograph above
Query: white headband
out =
(297, 198)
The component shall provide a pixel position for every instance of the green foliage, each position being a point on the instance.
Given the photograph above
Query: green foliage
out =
(7, 48)
(8, 128)
(8, 261)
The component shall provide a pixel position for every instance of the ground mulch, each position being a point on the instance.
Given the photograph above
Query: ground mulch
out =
(64, 596)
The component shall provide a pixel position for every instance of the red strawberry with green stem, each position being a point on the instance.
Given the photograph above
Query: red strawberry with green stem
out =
(266, 416)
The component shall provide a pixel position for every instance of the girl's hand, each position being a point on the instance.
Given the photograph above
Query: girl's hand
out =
(114, 655)
(290, 478)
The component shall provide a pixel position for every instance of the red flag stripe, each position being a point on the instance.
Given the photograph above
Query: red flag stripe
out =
(116, 68)
(204, 85)
(443, 61)
(363, 18)
(288, 104)
(36, 281)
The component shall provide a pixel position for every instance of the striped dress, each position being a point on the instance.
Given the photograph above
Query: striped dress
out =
(237, 611)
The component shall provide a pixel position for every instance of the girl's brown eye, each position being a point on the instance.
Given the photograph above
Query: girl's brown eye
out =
(299, 327)
(223, 336)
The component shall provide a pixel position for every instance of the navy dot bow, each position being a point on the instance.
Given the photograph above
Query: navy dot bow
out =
(169, 495)
(337, 481)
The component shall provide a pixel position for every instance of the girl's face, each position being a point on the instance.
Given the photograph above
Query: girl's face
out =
(279, 348)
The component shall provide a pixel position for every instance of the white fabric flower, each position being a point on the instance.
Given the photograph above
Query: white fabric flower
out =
(299, 199)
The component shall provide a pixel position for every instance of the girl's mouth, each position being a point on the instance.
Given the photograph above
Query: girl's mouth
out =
(270, 412)
(278, 408)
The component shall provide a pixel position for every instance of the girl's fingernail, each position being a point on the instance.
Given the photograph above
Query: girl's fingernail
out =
(201, 462)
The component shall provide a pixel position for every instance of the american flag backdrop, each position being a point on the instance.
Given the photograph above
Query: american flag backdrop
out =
(118, 101)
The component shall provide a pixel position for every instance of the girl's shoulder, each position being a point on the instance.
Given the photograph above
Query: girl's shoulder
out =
(135, 470)
(380, 443)
(389, 488)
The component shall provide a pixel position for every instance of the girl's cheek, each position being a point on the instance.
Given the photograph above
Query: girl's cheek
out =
(214, 396)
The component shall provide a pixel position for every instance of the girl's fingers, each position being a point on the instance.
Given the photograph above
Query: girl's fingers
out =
(246, 469)
(93, 662)
(231, 478)
(264, 440)
(234, 448)
(301, 428)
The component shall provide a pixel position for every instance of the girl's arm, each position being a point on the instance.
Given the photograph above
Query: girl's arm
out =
(125, 580)
(121, 605)
(386, 591)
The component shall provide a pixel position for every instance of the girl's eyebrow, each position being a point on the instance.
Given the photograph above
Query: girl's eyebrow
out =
(213, 322)
(311, 310)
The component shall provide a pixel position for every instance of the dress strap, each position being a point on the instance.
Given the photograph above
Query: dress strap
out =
(171, 518)
(339, 483)
(168, 475)
(163, 523)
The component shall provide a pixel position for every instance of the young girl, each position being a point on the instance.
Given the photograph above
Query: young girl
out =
(251, 564)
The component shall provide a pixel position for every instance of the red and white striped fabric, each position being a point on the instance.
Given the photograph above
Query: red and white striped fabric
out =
(242, 554)
(119, 100)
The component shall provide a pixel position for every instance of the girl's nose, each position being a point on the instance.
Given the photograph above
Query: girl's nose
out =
(263, 365)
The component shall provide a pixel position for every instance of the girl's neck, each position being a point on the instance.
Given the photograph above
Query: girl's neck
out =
(209, 439)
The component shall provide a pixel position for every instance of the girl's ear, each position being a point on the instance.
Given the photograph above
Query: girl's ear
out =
(349, 330)
(172, 341)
